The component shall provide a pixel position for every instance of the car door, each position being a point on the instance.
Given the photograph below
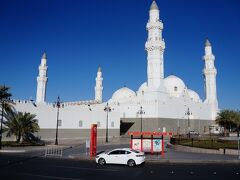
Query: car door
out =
(124, 156)
(112, 157)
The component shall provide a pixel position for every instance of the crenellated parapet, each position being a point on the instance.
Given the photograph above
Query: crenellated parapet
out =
(79, 103)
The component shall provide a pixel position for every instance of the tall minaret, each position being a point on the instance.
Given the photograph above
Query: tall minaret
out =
(99, 87)
(155, 46)
(42, 80)
(209, 73)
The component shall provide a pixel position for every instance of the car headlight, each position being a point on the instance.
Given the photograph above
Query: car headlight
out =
(97, 156)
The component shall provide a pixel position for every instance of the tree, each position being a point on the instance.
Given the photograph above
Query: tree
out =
(225, 118)
(5, 103)
(22, 125)
(5, 106)
(4, 94)
(237, 121)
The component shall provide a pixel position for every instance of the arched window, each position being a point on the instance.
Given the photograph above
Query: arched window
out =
(98, 124)
(112, 124)
(175, 88)
(80, 123)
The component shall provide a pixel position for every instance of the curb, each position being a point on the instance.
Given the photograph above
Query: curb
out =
(194, 161)
(173, 161)
(13, 151)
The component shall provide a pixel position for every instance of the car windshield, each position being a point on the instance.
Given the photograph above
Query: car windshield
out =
(100, 152)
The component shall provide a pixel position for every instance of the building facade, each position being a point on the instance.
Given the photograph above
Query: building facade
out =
(165, 102)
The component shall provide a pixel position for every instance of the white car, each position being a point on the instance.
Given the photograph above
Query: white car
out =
(121, 156)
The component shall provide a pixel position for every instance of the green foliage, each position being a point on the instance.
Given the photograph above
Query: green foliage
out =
(207, 143)
(228, 119)
(22, 125)
(5, 104)
(4, 94)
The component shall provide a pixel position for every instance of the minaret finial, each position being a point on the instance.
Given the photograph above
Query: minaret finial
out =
(44, 56)
(154, 5)
(207, 43)
(99, 68)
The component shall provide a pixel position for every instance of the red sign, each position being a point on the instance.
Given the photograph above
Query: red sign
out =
(93, 140)
(151, 133)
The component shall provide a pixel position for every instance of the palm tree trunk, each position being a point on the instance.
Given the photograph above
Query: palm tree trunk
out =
(238, 130)
(18, 137)
(225, 130)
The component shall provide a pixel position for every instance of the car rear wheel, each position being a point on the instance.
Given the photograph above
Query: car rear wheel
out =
(131, 163)
(101, 161)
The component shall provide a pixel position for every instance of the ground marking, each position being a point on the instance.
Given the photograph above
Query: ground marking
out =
(91, 169)
(50, 177)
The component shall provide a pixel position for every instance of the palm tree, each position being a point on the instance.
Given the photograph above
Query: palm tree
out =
(225, 118)
(5, 103)
(22, 125)
(237, 121)
(4, 94)
(5, 106)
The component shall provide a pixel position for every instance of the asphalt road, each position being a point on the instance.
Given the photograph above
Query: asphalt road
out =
(20, 167)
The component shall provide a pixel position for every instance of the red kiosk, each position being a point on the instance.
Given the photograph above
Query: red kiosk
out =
(93, 140)
(152, 142)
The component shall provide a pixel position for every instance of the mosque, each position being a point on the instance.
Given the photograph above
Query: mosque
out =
(159, 103)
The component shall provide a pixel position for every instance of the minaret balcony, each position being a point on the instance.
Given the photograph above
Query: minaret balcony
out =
(154, 25)
(151, 45)
(210, 57)
(42, 78)
(210, 71)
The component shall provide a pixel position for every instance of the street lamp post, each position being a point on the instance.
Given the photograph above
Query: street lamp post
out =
(188, 113)
(107, 109)
(58, 105)
(141, 112)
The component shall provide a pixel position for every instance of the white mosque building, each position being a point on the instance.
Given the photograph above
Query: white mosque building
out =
(160, 102)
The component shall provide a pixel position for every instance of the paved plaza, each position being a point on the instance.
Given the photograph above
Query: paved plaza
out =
(76, 149)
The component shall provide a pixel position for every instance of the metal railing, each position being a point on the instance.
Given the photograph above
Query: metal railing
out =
(53, 150)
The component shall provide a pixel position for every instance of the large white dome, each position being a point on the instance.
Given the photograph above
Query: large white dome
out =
(174, 85)
(123, 93)
(193, 95)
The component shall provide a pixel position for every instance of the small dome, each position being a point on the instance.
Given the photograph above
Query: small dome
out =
(174, 85)
(123, 93)
(193, 95)
(143, 87)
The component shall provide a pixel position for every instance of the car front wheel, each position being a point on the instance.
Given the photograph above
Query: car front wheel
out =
(101, 161)
(131, 163)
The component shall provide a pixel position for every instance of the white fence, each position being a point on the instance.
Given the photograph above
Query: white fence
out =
(53, 150)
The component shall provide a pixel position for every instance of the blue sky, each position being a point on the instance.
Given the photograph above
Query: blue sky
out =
(79, 35)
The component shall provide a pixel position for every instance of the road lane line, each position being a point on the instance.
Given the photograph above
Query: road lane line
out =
(50, 177)
(91, 169)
